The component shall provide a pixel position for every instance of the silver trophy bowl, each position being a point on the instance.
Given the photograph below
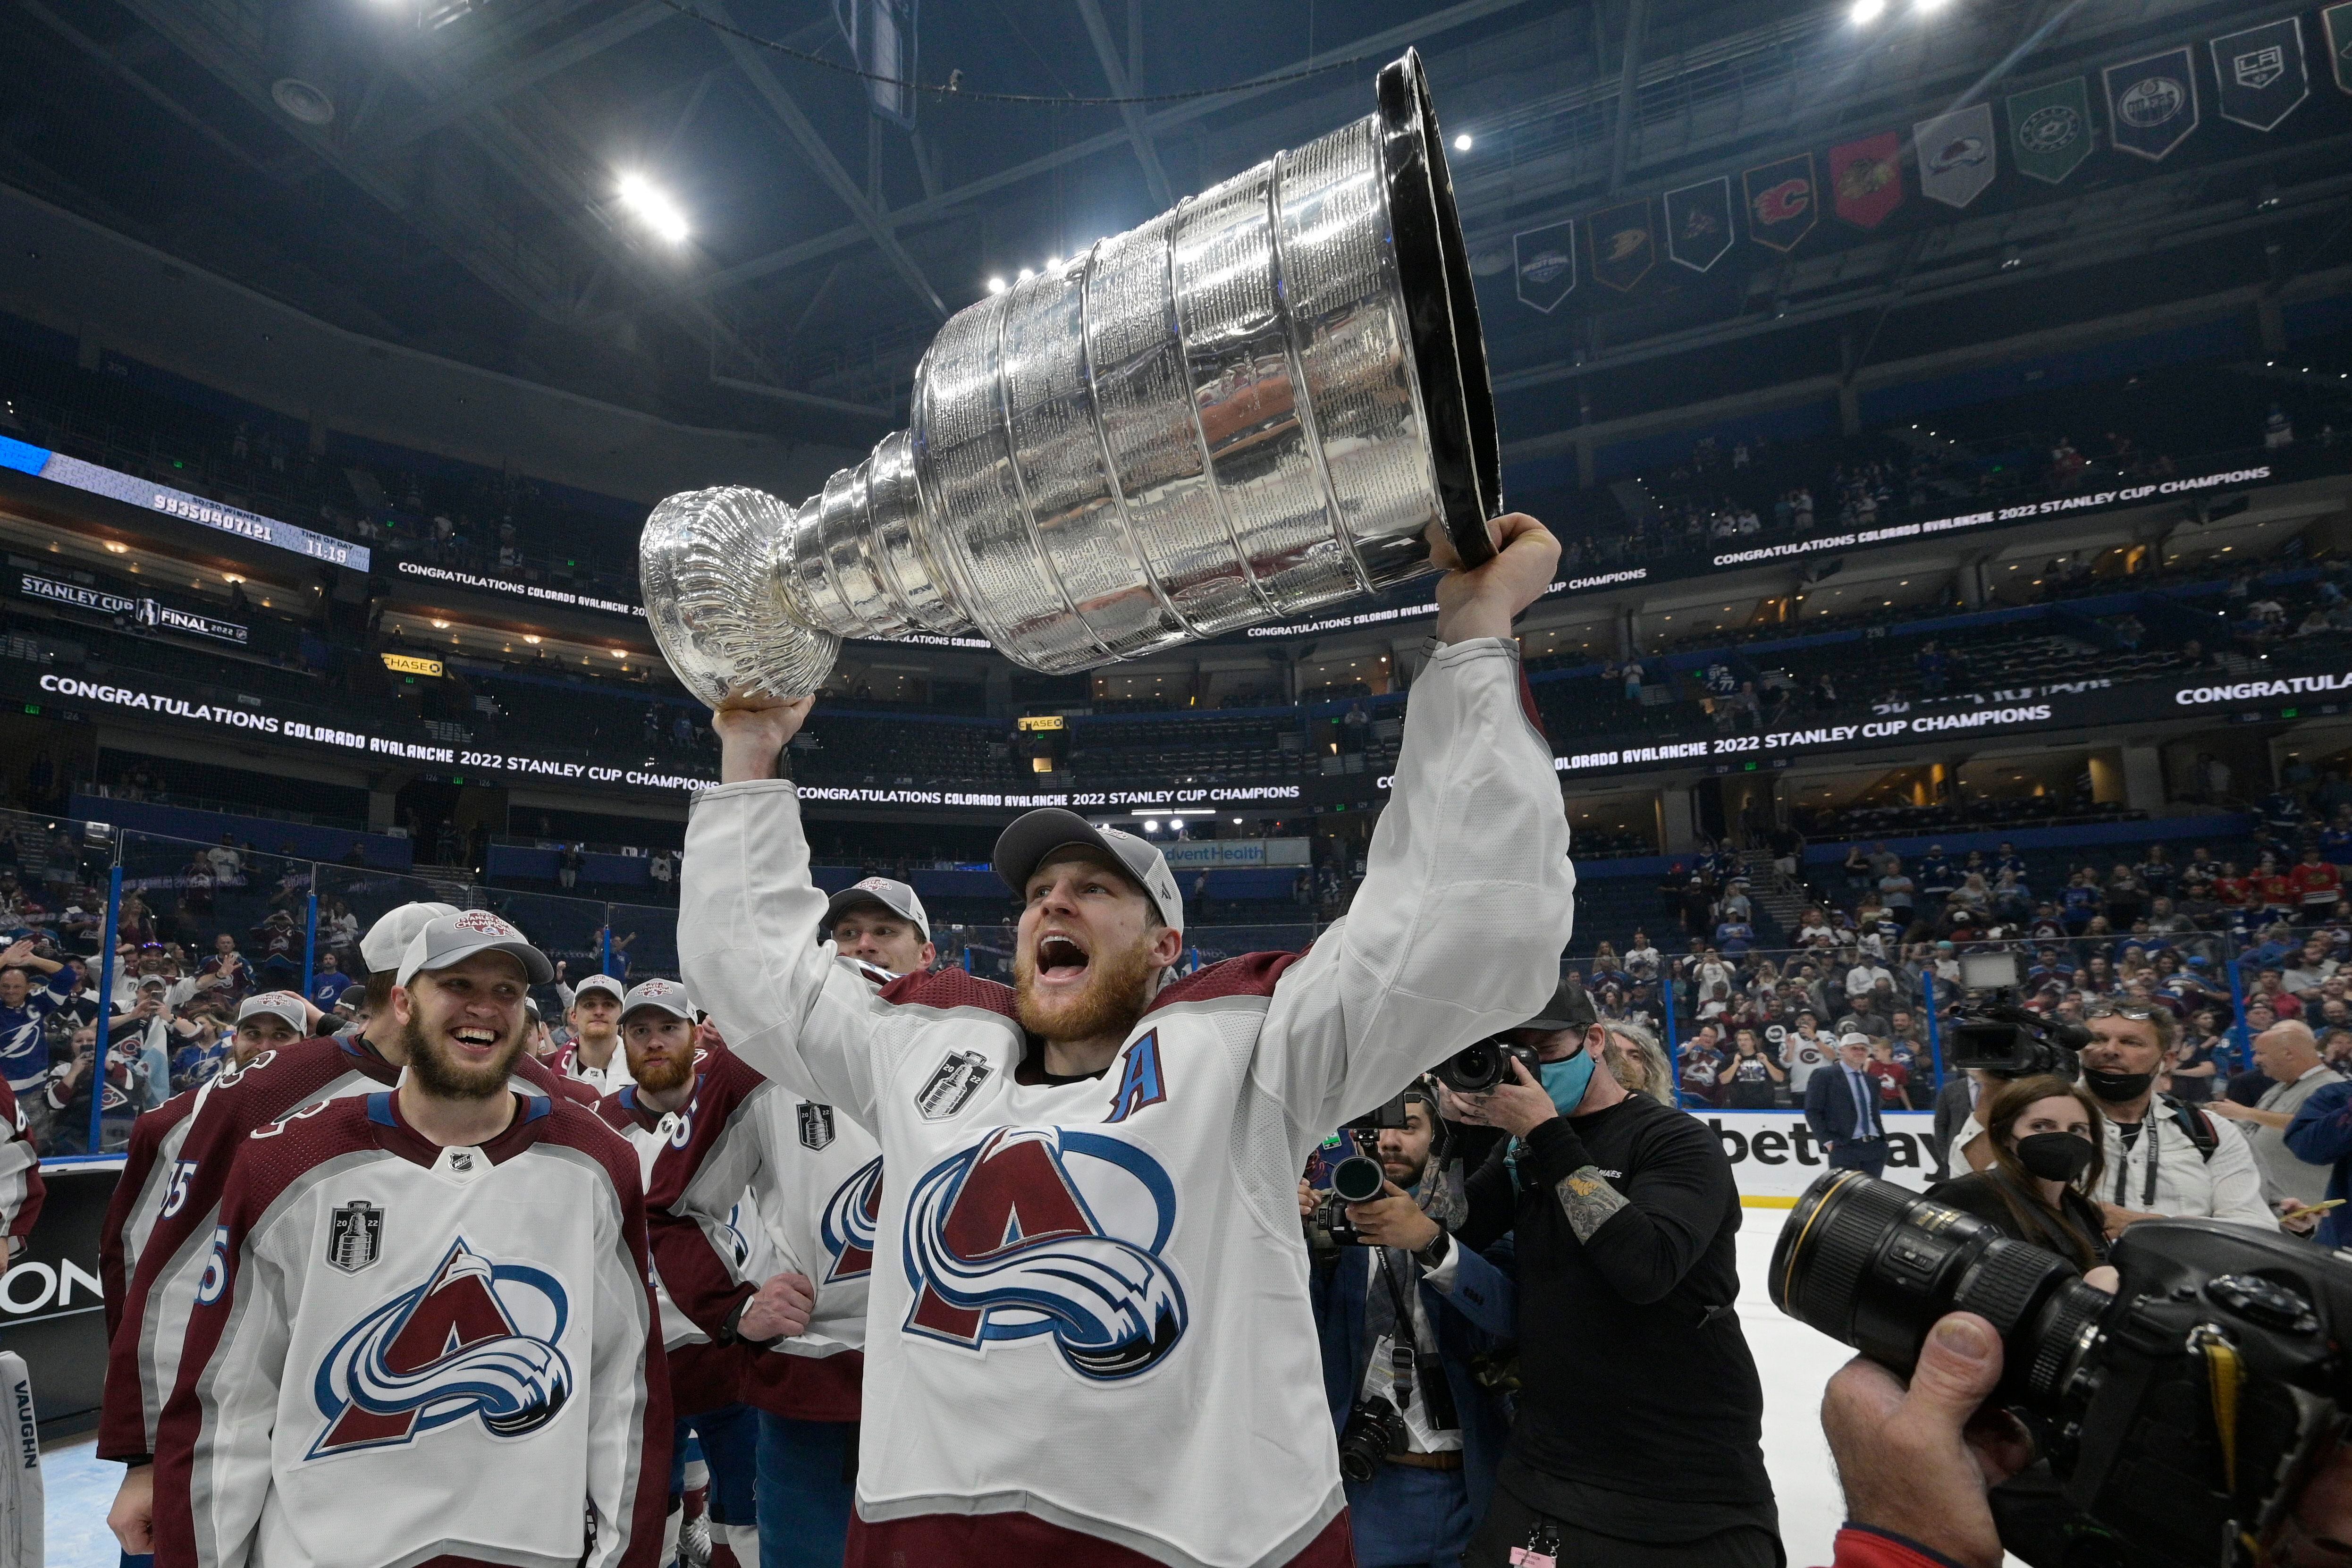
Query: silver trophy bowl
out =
(1253, 405)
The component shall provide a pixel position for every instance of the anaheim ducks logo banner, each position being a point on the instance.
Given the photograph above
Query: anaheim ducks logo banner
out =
(2050, 130)
(1781, 209)
(1622, 249)
(2152, 104)
(1956, 155)
(1698, 223)
(1544, 262)
(2262, 74)
(1865, 180)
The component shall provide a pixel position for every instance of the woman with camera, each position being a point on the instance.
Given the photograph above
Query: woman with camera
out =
(2046, 1160)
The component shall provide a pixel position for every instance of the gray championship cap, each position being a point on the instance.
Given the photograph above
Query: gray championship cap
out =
(387, 940)
(1570, 1008)
(1037, 833)
(665, 995)
(607, 984)
(896, 896)
(455, 938)
(280, 1005)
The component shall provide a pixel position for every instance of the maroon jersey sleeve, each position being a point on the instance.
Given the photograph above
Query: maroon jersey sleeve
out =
(22, 1191)
(722, 1145)
(239, 1100)
(134, 1191)
(539, 1074)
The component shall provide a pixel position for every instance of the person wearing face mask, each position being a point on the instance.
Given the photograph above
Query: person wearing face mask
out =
(2161, 1159)
(1638, 1435)
(2046, 1161)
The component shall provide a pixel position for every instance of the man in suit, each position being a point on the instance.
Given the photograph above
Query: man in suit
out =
(1426, 1496)
(1841, 1107)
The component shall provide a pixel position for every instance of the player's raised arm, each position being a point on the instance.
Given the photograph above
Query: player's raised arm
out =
(746, 907)
(1468, 894)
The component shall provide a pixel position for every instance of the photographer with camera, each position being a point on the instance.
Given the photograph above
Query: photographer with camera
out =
(1637, 1437)
(1419, 1438)
(2163, 1159)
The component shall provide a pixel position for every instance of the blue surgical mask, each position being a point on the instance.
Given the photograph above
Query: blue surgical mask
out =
(1566, 1081)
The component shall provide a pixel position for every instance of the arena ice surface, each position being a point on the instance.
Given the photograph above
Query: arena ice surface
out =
(1794, 1361)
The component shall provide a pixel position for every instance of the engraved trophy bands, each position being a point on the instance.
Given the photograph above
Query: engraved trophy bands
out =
(1249, 407)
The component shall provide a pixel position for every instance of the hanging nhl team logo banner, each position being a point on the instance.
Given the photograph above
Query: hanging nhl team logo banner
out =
(2335, 21)
(1622, 250)
(1698, 223)
(1545, 262)
(1780, 206)
(1867, 179)
(2261, 73)
(2050, 130)
(2152, 104)
(1956, 155)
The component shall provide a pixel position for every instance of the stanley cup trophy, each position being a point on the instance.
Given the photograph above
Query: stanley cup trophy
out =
(1253, 405)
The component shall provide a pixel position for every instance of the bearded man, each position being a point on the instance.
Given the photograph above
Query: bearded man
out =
(428, 1304)
(1088, 1339)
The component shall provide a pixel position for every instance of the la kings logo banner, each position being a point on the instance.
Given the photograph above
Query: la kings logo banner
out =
(2152, 104)
(2261, 73)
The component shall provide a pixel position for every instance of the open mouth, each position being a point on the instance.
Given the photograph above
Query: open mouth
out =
(473, 1037)
(1060, 958)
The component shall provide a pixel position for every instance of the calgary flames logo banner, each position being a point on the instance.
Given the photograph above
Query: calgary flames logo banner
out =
(1781, 201)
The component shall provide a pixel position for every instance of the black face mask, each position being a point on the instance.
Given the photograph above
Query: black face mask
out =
(2117, 1087)
(2054, 1156)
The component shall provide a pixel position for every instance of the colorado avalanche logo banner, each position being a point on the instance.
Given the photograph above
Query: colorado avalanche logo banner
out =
(1781, 209)
(1956, 155)
(1047, 1231)
(476, 1340)
(2262, 74)
(2152, 104)
(1698, 223)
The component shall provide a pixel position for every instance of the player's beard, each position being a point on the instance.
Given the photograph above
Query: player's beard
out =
(1118, 987)
(659, 1075)
(444, 1079)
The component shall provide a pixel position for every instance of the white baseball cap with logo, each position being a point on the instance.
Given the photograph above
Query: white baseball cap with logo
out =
(665, 995)
(280, 1005)
(1037, 833)
(452, 939)
(896, 896)
(607, 984)
(387, 940)
(1855, 1037)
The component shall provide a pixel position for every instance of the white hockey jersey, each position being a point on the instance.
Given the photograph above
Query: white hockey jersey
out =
(1089, 1303)
(401, 1352)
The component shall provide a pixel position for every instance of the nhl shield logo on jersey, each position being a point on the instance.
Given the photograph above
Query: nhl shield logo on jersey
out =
(851, 1217)
(952, 1084)
(816, 1125)
(354, 1236)
(1049, 1231)
(477, 1340)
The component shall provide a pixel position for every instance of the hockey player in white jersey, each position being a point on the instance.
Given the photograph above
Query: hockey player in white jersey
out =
(426, 1330)
(595, 1057)
(1089, 1338)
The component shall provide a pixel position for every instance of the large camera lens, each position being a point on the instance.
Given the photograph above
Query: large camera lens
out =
(1358, 1179)
(1475, 1067)
(1874, 1266)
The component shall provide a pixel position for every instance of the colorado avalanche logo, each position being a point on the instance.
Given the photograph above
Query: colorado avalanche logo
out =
(851, 1216)
(1045, 1230)
(477, 1339)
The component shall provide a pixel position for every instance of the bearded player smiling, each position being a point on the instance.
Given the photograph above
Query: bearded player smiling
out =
(1088, 1334)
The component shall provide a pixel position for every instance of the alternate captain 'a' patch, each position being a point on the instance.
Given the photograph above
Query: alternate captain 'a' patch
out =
(1140, 1081)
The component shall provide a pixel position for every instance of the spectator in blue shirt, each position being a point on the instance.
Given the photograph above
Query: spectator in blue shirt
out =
(25, 1010)
(1734, 937)
(328, 982)
(2321, 1134)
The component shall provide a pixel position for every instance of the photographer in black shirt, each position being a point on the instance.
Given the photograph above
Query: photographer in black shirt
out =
(1638, 1439)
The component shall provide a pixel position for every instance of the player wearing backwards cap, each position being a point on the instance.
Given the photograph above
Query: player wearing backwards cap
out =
(814, 1180)
(159, 1224)
(424, 1330)
(595, 1057)
(1090, 1338)
(706, 1371)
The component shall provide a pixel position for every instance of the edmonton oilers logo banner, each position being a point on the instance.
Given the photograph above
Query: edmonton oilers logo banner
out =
(1544, 262)
(2152, 103)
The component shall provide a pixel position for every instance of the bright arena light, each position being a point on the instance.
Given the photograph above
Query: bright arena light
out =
(1866, 12)
(653, 209)
(1462, 142)
(996, 285)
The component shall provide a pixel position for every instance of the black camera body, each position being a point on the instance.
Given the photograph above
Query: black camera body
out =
(1482, 1064)
(2180, 1414)
(1375, 1430)
(1355, 1180)
(2012, 1042)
